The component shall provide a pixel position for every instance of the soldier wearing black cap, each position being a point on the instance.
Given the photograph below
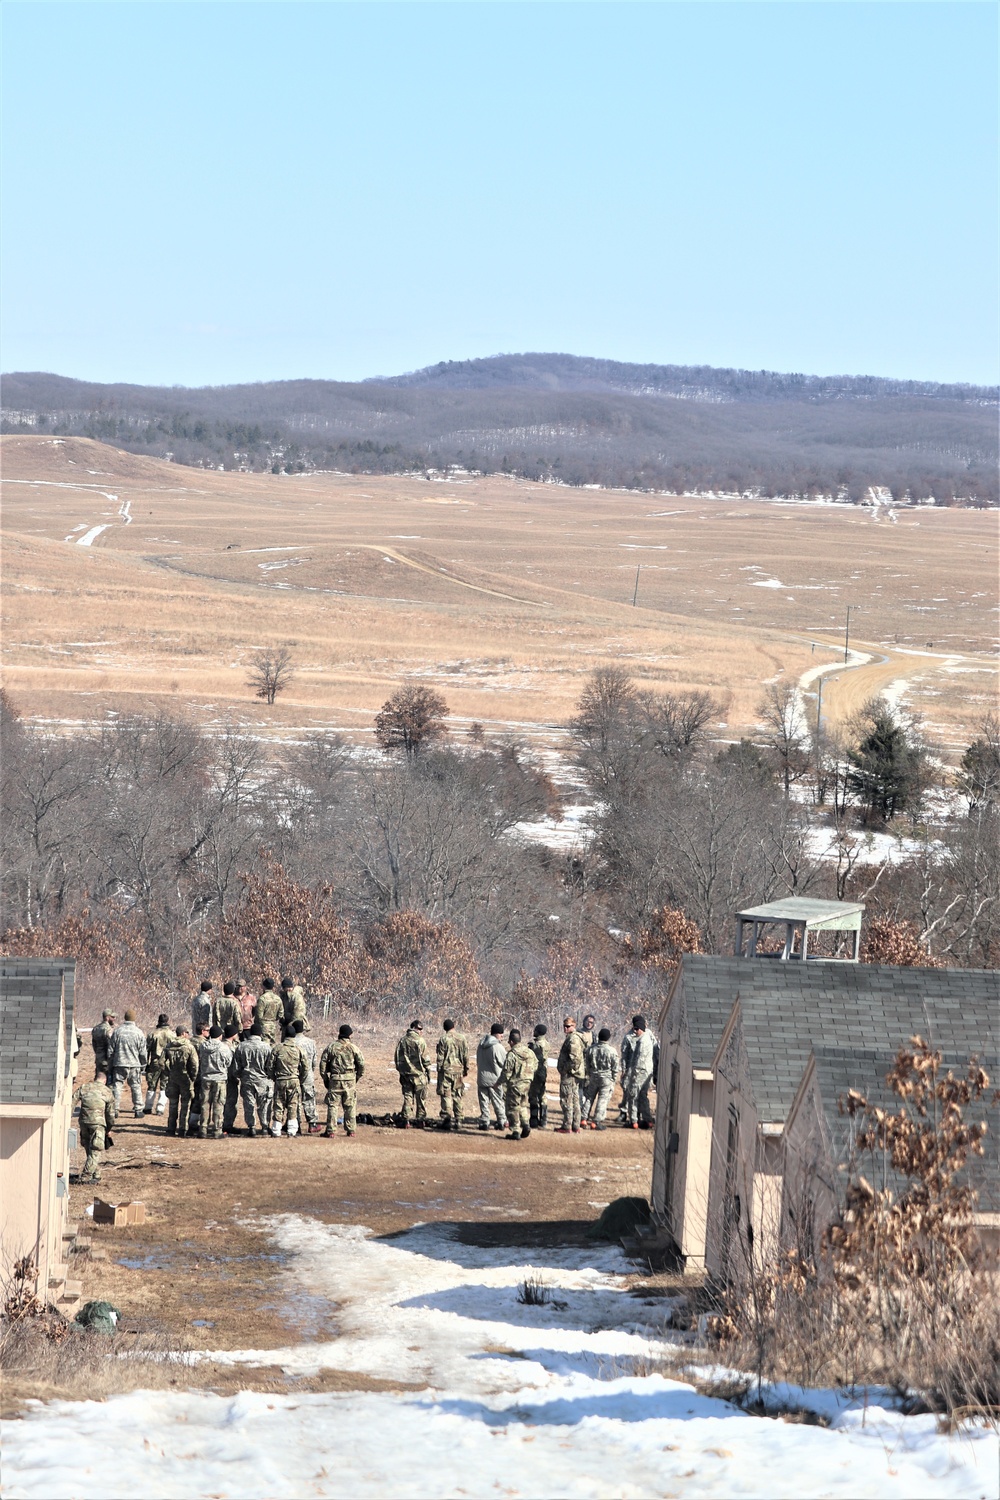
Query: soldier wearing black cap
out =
(412, 1063)
(157, 1043)
(340, 1068)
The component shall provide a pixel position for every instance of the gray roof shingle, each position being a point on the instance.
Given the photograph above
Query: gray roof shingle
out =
(32, 991)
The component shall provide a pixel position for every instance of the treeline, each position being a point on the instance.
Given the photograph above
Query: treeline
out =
(153, 849)
(559, 419)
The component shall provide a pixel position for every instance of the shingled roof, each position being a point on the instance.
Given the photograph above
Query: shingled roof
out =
(788, 1009)
(839, 1069)
(32, 1012)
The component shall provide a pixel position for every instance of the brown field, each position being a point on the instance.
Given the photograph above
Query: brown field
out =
(501, 593)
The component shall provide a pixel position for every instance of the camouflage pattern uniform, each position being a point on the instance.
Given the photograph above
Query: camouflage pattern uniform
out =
(232, 1087)
(157, 1043)
(251, 1062)
(341, 1067)
(572, 1070)
(518, 1071)
(413, 1065)
(269, 1013)
(638, 1061)
(202, 1007)
(307, 1047)
(182, 1075)
(587, 1038)
(100, 1039)
(452, 1069)
(288, 1069)
(226, 1012)
(213, 1071)
(97, 1115)
(602, 1070)
(539, 1110)
(294, 1007)
(128, 1062)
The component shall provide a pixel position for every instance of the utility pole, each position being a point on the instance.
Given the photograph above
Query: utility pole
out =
(635, 593)
(819, 709)
(847, 632)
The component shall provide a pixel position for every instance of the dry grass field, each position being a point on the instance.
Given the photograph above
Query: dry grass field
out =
(503, 594)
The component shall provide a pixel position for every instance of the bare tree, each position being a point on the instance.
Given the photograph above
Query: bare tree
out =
(270, 672)
(411, 719)
(787, 736)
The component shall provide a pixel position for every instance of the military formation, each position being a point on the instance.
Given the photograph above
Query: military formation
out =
(256, 1050)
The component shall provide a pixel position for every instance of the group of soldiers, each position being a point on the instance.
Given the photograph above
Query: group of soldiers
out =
(511, 1078)
(258, 1049)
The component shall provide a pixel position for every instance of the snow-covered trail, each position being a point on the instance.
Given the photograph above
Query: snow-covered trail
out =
(520, 1401)
(90, 534)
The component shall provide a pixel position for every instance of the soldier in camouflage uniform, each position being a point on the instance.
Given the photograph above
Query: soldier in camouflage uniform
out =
(413, 1065)
(572, 1071)
(269, 1011)
(157, 1043)
(307, 1047)
(251, 1065)
(341, 1068)
(602, 1070)
(128, 1061)
(231, 1037)
(288, 1069)
(294, 1005)
(100, 1038)
(226, 1010)
(202, 1007)
(452, 1071)
(585, 1032)
(539, 1110)
(518, 1071)
(97, 1115)
(213, 1073)
(182, 1075)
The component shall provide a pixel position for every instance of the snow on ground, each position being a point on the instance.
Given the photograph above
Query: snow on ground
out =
(518, 1400)
(89, 537)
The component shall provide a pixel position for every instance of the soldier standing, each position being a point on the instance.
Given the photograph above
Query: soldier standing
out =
(585, 1032)
(307, 1047)
(572, 1070)
(182, 1075)
(638, 1062)
(539, 1110)
(293, 1004)
(251, 1062)
(269, 1011)
(128, 1061)
(231, 1037)
(413, 1065)
(97, 1115)
(226, 1010)
(201, 1007)
(100, 1039)
(491, 1054)
(341, 1068)
(288, 1069)
(213, 1071)
(602, 1070)
(518, 1071)
(452, 1069)
(157, 1043)
(246, 1003)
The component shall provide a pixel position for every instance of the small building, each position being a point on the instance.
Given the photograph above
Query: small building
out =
(795, 923)
(37, 1067)
(729, 1078)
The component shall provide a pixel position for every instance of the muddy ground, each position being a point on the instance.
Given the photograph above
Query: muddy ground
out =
(203, 1273)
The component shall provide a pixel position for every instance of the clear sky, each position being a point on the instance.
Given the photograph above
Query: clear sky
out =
(202, 193)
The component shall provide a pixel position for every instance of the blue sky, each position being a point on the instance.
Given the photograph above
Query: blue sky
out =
(204, 193)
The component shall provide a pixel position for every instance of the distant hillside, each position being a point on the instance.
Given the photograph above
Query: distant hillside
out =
(559, 417)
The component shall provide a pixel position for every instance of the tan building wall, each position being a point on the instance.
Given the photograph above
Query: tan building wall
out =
(684, 1119)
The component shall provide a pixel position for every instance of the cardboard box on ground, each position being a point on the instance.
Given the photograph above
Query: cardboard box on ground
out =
(117, 1214)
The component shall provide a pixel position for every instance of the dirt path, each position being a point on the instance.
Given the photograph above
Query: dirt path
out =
(441, 573)
(847, 687)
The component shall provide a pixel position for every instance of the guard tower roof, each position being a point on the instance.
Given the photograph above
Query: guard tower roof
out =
(815, 914)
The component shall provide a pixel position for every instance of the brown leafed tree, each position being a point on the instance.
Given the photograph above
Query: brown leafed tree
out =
(890, 942)
(411, 719)
(270, 672)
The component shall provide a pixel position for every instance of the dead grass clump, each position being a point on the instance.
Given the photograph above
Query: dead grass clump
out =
(533, 1292)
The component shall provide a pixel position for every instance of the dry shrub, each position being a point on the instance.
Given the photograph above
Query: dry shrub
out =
(890, 942)
(660, 946)
(566, 982)
(422, 965)
(114, 945)
(899, 1293)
